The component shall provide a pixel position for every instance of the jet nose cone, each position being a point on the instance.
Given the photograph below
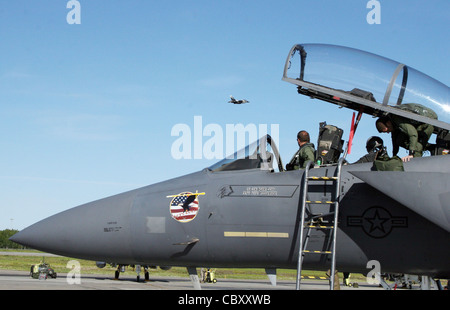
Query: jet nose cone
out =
(92, 231)
(46, 235)
(55, 234)
(29, 238)
(17, 238)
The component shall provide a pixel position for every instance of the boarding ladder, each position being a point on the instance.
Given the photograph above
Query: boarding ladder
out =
(319, 221)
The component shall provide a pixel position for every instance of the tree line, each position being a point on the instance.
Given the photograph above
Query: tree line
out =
(5, 243)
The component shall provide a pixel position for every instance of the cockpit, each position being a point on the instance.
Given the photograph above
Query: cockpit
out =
(357, 80)
(262, 154)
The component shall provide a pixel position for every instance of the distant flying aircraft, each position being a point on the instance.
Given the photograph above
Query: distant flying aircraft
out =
(247, 211)
(234, 101)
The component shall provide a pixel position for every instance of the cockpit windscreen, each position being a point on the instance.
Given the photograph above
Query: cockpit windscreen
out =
(260, 154)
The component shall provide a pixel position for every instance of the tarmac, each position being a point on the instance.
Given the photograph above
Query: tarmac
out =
(21, 280)
(39, 254)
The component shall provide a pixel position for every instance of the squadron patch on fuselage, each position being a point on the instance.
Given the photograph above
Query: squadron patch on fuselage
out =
(184, 207)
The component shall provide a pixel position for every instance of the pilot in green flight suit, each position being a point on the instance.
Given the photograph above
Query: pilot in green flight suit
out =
(304, 154)
(406, 135)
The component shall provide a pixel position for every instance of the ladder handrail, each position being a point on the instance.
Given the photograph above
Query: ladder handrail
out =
(336, 214)
(302, 221)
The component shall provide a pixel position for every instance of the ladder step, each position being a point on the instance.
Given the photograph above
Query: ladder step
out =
(323, 178)
(315, 278)
(316, 252)
(319, 227)
(320, 202)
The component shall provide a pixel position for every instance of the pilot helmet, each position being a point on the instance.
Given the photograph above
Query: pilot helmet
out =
(374, 143)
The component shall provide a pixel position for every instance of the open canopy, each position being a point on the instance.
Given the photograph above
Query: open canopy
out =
(365, 82)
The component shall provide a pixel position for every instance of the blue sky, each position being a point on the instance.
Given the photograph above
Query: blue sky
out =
(86, 111)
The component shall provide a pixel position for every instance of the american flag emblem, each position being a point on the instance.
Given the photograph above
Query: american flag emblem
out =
(184, 206)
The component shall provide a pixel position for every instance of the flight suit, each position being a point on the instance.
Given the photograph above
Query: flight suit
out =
(413, 137)
(304, 154)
